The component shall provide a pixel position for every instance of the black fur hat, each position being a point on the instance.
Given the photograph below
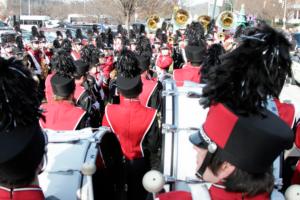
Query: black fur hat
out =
(69, 34)
(213, 58)
(79, 34)
(250, 74)
(128, 64)
(195, 34)
(63, 63)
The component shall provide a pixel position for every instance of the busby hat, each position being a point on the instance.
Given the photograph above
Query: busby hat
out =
(62, 85)
(81, 68)
(250, 149)
(144, 63)
(130, 87)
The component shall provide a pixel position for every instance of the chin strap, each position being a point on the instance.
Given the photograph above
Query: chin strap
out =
(204, 165)
(211, 149)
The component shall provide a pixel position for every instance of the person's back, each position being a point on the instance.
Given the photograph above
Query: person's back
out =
(130, 121)
(22, 142)
(61, 113)
(187, 73)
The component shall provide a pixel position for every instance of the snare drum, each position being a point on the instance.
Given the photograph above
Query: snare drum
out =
(182, 116)
(68, 151)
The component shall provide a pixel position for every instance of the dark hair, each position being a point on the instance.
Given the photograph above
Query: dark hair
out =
(242, 181)
(251, 73)
(128, 64)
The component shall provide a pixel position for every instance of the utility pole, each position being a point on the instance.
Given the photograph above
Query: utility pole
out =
(214, 9)
(29, 12)
(84, 11)
(20, 7)
(284, 15)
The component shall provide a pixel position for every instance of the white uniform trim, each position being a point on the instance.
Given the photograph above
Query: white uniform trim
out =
(36, 63)
(106, 114)
(147, 102)
(79, 120)
(20, 189)
(80, 95)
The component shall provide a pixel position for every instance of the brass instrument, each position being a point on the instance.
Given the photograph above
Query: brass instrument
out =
(204, 20)
(152, 23)
(226, 20)
(170, 39)
(181, 17)
(221, 36)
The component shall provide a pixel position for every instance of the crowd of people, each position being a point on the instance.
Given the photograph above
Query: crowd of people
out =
(116, 80)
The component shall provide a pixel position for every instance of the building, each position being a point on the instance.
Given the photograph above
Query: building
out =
(293, 12)
(3, 5)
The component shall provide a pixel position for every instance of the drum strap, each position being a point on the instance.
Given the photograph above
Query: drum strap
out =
(204, 165)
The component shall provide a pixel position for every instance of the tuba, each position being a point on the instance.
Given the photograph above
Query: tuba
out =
(181, 17)
(226, 20)
(204, 20)
(152, 23)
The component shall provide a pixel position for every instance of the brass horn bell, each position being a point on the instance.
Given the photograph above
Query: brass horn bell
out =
(226, 20)
(152, 22)
(181, 17)
(204, 20)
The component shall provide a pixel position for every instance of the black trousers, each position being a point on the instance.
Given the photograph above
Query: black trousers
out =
(134, 172)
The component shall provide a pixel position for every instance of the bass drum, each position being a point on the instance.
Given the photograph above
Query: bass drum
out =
(67, 152)
(182, 116)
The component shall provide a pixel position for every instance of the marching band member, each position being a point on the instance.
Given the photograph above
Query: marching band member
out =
(61, 113)
(84, 94)
(233, 155)
(150, 95)
(195, 53)
(76, 49)
(135, 125)
(163, 61)
(62, 63)
(261, 62)
(22, 142)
